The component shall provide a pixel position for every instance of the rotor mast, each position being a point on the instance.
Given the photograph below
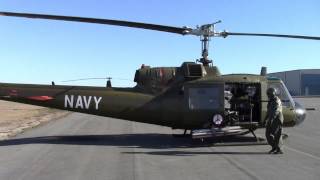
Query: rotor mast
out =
(205, 32)
(205, 51)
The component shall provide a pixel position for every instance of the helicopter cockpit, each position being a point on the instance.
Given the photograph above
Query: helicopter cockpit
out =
(283, 93)
(242, 103)
(288, 104)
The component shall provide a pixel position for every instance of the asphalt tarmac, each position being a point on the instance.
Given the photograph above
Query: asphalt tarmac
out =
(89, 147)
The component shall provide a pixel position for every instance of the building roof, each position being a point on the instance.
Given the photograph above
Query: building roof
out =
(302, 71)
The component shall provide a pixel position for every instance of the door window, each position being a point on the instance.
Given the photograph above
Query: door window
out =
(204, 98)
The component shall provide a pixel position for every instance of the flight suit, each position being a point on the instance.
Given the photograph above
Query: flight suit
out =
(274, 121)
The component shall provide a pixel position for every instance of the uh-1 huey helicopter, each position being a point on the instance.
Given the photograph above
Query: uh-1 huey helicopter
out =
(194, 96)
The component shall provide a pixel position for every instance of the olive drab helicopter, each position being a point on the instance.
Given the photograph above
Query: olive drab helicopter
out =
(194, 96)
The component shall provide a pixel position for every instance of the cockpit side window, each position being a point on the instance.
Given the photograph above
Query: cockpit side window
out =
(283, 93)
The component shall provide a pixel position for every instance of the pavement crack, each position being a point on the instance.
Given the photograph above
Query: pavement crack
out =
(238, 165)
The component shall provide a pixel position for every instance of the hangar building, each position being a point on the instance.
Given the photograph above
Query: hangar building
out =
(304, 82)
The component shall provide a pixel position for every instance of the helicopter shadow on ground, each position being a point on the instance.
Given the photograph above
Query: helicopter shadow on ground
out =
(143, 141)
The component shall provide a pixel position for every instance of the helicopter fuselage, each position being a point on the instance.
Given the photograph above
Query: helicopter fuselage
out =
(193, 96)
(182, 102)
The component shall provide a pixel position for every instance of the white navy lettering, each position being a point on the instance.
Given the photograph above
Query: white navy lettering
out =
(68, 101)
(97, 101)
(81, 102)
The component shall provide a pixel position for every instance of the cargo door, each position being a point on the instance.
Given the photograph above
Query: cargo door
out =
(202, 102)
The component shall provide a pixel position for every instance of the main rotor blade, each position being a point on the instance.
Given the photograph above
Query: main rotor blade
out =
(156, 27)
(225, 34)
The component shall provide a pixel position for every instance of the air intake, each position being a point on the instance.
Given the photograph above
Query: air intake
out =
(192, 70)
(195, 70)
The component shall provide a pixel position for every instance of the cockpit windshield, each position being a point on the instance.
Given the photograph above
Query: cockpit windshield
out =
(283, 93)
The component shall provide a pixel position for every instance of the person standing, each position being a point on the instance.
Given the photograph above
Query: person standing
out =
(274, 121)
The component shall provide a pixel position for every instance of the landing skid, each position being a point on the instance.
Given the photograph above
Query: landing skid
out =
(185, 134)
(242, 142)
(254, 135)
(219, 132)
(230, 136)
(233, 136)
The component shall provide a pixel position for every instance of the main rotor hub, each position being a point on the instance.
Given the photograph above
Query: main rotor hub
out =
(205, 32)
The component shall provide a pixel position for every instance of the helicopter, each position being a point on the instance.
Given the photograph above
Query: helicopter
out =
(194, 96)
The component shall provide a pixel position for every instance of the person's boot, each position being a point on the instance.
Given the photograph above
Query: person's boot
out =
(278, 151)
(272, 150)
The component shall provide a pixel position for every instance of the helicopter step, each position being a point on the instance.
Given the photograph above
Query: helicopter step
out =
(218, 132)
(247, 125)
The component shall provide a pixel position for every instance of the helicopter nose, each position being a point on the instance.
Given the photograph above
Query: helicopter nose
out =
(300, 113)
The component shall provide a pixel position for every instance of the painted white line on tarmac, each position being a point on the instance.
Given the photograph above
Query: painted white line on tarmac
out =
(304, 153)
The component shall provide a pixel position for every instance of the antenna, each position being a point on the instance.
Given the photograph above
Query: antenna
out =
(109, 85)
(263, 71)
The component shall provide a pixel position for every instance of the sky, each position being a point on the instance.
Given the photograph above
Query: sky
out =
(41, 51)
